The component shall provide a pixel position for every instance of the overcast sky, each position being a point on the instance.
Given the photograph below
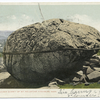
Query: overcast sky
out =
(13, 17)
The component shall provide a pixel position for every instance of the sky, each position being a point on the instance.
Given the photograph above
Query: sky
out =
(13, 17)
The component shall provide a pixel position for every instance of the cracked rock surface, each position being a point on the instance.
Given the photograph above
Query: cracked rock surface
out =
(48, 41)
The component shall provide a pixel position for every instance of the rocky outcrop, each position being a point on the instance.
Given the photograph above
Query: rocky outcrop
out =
(87, 75)
(42, 51)
(94, 76)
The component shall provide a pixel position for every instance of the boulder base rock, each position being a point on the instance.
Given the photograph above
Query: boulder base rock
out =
(39, 52)
(94, 76)
(89, 70)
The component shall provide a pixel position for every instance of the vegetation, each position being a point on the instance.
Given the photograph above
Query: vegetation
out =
(69, 86)
(1, 55)
(98, 53)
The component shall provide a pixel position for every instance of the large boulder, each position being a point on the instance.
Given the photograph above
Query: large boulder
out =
(42, 51)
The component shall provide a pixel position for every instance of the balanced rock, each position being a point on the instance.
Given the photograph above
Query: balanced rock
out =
(42, 51)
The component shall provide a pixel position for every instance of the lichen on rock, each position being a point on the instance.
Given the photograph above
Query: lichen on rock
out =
(46, 46)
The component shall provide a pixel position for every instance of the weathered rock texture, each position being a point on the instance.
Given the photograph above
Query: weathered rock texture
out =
(48, 41)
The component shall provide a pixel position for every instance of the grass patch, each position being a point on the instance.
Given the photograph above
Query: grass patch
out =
(69, 86)
(1, 55)
(98, 53)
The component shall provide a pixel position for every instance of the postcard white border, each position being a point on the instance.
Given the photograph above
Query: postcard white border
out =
(51, 93)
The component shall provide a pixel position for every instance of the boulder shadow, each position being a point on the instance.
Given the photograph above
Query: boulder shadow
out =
(11, 82)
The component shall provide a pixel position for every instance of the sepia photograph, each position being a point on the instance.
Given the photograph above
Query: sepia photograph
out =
(50, 49)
